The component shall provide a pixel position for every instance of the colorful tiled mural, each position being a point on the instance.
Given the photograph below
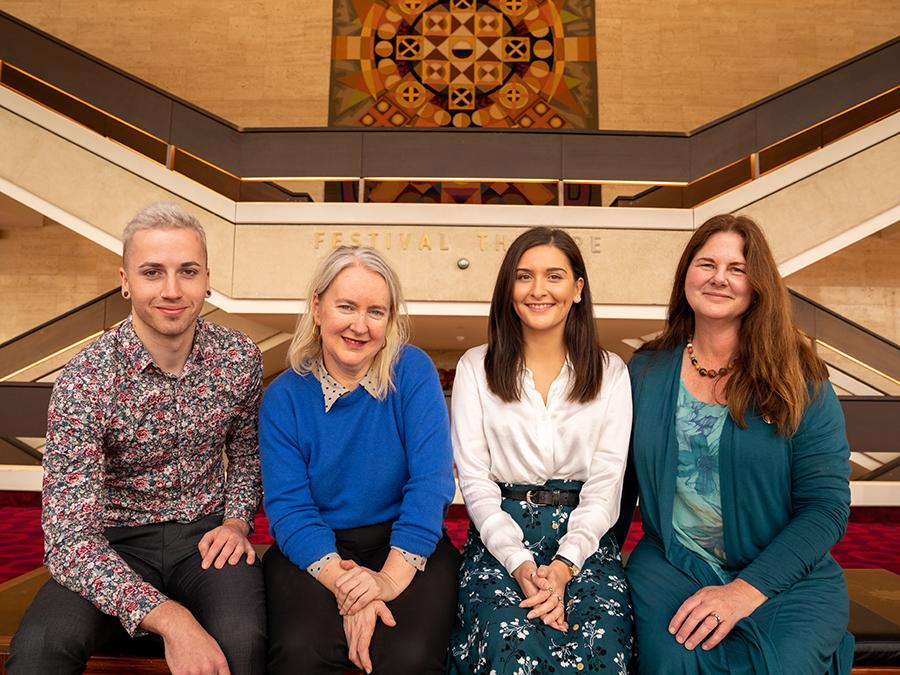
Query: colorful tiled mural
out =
(462, 63)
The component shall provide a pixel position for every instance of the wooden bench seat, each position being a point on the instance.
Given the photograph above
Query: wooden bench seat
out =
(874, 620)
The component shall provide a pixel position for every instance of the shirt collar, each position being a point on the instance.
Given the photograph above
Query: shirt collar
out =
(332, 390)
(139, 358)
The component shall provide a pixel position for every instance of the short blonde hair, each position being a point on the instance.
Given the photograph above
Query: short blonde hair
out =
(163, 216)
(306, 346)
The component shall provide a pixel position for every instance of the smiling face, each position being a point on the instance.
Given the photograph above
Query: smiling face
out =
(545, 288)
(352, 315)
(716, 284)
(167, 277)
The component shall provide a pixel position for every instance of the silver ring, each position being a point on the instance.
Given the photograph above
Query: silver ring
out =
(716, 617)
(559, 597)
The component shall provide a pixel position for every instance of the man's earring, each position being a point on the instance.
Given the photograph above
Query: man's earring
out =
(125, 294)
(208, 293)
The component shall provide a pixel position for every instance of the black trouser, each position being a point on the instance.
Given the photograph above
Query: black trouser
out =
(61, 630)
(306, 632)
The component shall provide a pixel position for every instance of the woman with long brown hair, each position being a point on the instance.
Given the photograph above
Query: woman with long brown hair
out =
(742, 463)
(541, 420)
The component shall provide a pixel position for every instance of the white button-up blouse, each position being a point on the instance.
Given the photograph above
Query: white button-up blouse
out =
(528, 442)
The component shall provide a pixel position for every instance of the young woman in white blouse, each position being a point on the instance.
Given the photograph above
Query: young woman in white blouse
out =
(541, 418)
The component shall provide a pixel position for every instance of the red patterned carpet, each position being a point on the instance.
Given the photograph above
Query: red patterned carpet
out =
(872, 539)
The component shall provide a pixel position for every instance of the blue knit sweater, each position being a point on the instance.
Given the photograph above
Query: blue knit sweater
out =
(363, 462)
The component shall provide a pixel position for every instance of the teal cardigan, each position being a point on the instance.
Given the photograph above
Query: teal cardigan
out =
(785, 501)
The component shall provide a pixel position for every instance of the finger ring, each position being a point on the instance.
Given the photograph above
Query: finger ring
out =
(716, 617)
(532, 575)
(559, 597)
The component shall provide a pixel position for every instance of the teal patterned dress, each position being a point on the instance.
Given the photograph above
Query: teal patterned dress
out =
(492, 636)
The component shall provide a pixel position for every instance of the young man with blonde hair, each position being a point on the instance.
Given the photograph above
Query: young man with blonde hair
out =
(144, 530)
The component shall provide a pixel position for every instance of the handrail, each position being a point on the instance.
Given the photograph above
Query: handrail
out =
(56, 319)
(856, 378)
(23, 408)
(23, 448)
(840, 317)
(61, 334)
(238, 162)
(833, 331)
(871, 422)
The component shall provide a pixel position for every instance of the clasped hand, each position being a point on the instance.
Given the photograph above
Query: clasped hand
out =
(358, 586)
(359, 628)
(544, 588)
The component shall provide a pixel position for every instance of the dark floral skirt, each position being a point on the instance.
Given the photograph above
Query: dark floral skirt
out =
(491, 635)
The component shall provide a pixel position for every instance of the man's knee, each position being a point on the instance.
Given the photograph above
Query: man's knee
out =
(27, 650)
(59, 633)
(238, 633)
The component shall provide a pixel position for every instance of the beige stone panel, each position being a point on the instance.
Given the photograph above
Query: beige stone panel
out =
(253, 63)
(95, 190)
(625, 266)
(860, 282)
(679, 64)
(833, 201)
(670, 65)
(46, 271)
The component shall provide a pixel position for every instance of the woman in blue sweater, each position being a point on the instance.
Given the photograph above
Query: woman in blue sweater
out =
(739, 449)
(357, 472)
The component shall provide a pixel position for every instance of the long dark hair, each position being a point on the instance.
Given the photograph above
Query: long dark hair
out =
(505, 360)
(774, 360)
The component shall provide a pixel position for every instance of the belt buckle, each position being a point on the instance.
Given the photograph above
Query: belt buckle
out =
(556, 497)
(528, 498)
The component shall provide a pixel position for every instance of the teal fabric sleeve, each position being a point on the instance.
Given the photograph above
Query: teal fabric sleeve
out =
(820, 497)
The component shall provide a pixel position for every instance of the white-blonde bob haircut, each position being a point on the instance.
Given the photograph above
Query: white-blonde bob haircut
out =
(306, 346)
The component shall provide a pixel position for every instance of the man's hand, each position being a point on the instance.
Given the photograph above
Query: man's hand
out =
(359, 628)
(226, 544)
(190, 650)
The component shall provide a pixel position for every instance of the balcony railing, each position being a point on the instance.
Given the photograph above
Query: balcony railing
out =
(682, 169)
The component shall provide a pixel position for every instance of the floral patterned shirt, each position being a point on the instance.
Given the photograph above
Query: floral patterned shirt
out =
(128, 444)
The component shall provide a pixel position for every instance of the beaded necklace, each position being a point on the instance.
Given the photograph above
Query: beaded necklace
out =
(706, 372)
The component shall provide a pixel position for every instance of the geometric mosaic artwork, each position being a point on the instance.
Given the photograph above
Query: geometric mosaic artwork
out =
(464, 63)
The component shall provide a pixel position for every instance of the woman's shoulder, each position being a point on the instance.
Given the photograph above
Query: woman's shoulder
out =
(413, 366)
(648, 358)
(474, 356)
(414, 358)
(289, 384)
(613, 363)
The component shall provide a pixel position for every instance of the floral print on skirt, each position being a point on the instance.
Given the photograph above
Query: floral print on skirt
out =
(491, 635)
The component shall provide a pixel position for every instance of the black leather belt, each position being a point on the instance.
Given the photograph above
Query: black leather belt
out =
(542, 497)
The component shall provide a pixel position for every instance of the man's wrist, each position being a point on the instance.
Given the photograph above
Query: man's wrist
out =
(163, 618)
(241, 525)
